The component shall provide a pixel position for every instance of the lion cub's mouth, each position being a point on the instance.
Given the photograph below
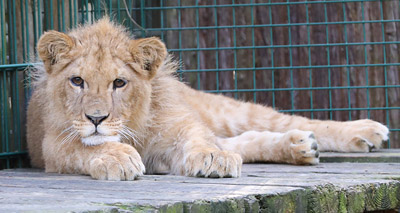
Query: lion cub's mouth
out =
(97, 139)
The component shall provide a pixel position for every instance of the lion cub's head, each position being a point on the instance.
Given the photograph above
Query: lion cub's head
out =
(98, 80)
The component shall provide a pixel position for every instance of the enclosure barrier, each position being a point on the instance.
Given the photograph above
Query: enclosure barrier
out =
(321, 59)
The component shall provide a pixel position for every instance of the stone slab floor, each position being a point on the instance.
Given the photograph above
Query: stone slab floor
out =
(355, 186)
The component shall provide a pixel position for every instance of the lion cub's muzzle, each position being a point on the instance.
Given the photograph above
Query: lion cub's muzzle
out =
(95, 130)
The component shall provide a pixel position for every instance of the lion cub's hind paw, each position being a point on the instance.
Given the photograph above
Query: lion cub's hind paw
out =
(303, 147)
(366, 135)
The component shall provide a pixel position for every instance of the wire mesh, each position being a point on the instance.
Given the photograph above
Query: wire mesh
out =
(320, 59)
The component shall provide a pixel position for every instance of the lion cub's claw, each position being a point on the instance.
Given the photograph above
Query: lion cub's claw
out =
(123, 165)
(303, 147)
(216, 164)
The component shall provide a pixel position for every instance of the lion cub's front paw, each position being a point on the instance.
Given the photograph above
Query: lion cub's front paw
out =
(215, 164)
(364, 135)
(303, 147)
(119, 162)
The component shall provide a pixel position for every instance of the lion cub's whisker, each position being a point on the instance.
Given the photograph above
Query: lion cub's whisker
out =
(130, 129)
(69, 137)
(123, 134)
(64, 131)
(129, 134)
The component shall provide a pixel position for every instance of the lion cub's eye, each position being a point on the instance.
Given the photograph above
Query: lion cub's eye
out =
(77, 81)
(118, 83)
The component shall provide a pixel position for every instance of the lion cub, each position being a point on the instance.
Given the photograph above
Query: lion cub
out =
(109, 106)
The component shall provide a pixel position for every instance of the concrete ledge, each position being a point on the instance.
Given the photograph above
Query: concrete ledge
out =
(328, 187)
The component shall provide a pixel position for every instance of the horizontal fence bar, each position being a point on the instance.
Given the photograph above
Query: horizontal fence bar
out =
(270, 25)
(254, 4)
(291, 67)
(8, 154)
(303, 88)
(15, 66)
(24, 66)
(284, 46)
(339, 109)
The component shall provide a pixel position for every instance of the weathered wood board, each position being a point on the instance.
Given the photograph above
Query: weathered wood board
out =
(327, 187)
(376, 156)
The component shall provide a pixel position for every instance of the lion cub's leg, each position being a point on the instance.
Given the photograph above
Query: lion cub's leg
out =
(227, 118)
(239, 117)
(294, 146)
(107, 161)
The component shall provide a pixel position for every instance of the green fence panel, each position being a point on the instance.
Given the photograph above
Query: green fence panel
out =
(336, 59)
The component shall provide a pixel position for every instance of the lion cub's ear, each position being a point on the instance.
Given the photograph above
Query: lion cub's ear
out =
(53, 46)
(150, 53)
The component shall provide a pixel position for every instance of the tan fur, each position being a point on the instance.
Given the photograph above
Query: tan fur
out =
(155, 123)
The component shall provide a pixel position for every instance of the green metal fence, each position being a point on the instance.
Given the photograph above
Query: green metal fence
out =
(321, 59)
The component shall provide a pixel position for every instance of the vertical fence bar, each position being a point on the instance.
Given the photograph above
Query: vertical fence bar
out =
(3, 33)
(328, 59)
(13, 32)
(35, 29)
(384, 67)
(119, 10)
(46, 20)
(365, 58)
(3, 102)
(7, 77)
(82, 14)
(347, 59)
(40, 20)
(198, 45)
(51, 15)
(63, 15)
(17, 117)
(110, 8)
(143, 17)
(216, 45)
(59, 15)
(272, 54)
(290, 57)
(253, 52)
(14, 84)
(70, 5)
(75, 10)
(309, 62)
(234, 50)
(5, 117)
(85, 11)
(10, 75)
(162, 19)
(23, 30)
(180, 38)
(27, 42)
(97, 13)
(129, 10)
(27, 80)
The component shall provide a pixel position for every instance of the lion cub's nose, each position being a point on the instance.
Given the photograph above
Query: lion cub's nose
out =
(96, 120)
